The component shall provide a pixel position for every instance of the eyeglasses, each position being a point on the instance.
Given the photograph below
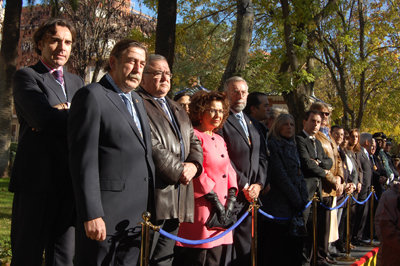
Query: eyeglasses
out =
(325, 113)
(159, 74)
(213, 112)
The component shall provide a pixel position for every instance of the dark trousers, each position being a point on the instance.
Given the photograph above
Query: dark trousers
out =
(276, 246)
(361, 217)
(323, 224)
(239, 253)
(197, 256)
(340, 243)
(163, 247)
(42, 222)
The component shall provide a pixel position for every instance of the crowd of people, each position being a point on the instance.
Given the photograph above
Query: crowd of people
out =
(91, 159)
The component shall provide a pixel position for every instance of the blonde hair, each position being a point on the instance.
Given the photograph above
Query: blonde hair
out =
(277, 125)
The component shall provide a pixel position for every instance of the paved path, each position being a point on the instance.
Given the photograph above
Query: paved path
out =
(357, 253)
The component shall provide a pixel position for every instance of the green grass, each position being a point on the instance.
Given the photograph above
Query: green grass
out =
(5, 220)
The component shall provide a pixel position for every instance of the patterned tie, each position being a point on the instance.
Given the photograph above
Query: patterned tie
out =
(240, 118)
(58, 75)
(132, 112)
(315, 146)
(163, 105)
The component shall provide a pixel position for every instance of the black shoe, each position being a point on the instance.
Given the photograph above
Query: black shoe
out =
(330, 260)
(340, 246)
(322, 263)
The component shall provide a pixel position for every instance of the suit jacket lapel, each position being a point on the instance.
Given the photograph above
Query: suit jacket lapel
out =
(366, 157)
(117, 101)
(68, 89)
(171, 109)
(175, 113)
(50, 81)
(310, 145)
(141, 112)
(236, 124)
(250, 128)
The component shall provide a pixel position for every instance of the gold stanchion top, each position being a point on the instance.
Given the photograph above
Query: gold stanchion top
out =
(253, 205)
(372, 189)
(146, 217)
(315, 197)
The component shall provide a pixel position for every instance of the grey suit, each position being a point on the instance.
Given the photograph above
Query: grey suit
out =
(362, 210)
(43, 206)
(112, 170)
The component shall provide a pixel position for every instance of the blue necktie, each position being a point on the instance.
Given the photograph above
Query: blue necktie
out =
(164, 106)
(240, 118)
(132, 112)
(244, 126)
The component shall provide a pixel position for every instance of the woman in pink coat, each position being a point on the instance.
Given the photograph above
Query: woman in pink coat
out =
(214, 190)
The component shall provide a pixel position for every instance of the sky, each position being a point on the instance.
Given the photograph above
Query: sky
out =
(136, 4)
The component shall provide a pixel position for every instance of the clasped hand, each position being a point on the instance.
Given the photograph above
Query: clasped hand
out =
(189, 171)
(251, 193)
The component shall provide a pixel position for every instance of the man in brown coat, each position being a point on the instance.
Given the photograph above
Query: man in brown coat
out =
(177, 155)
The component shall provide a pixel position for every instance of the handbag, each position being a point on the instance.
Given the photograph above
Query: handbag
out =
(213, 223)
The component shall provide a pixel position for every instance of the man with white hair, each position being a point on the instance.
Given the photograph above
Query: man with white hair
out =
(367, 170)
(247, 151)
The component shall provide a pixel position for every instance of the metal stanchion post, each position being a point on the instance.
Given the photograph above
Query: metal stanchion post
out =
(254, 212)
(314, 219)
(144, 245)
(347, 257)
(371, 216)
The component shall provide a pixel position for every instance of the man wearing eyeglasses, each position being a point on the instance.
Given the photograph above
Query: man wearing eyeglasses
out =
(247, 151)
(177, 155)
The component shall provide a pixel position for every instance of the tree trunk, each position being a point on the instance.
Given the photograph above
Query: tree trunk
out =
(8, 56)
(298, 99)
(244, 28)
(165, 31)
(362, 58)
(97, 67)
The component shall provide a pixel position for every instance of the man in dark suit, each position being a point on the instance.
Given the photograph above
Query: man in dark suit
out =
(43, 206)
(315, 165)
(257, 108)
(247, 151)
(367, 171)
(111, 161)
(177, 155)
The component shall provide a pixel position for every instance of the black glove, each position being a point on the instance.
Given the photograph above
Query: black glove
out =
(230, 218)
(217, 215)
